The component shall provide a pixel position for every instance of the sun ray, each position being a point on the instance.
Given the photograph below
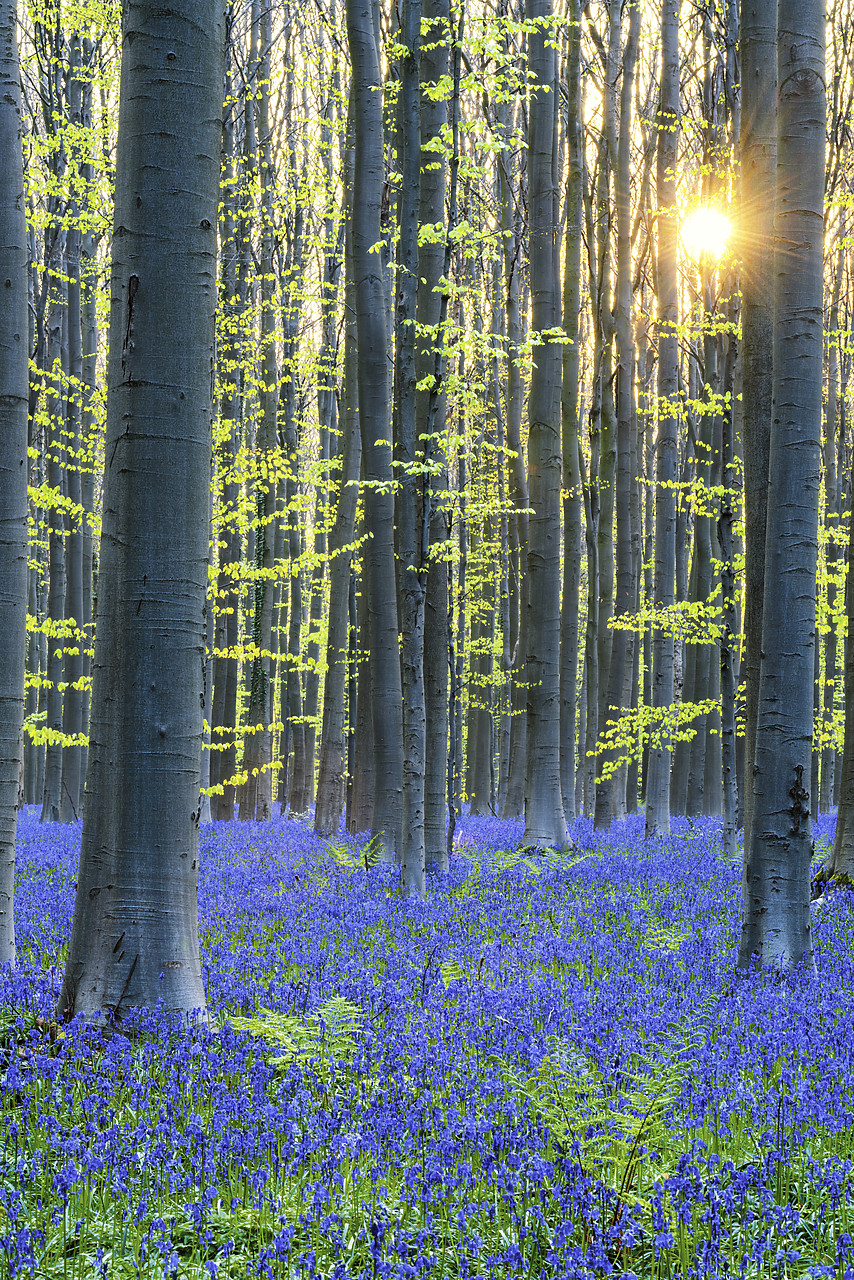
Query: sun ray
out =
(706, 232)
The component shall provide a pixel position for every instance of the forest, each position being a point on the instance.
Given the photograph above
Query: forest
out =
(426, 707)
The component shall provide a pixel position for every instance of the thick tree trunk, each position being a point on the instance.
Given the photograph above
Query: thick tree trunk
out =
(14, 397)
(386, 696)
(658, 780)
(135, 935)
(545, 823)
(776, 926)
(758, 148)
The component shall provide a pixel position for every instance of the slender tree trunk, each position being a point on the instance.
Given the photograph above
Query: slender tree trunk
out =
(14, 399)
(360, 805)
(412, 530)
(610, 803)
(386, 695)
(333, 745)
(223, 716)
(729, 631)
(135, 935)
(73, 725)
(57, 359)
(658, 782)
(831, 510)
(776, 926)
(256, 796)
(512, 240)
(431, 409)
(545, 823)
(569, 405)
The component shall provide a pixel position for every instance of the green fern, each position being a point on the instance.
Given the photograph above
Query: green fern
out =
(452, 971)
(349, 859)
(329, 1033)
(618, 1144)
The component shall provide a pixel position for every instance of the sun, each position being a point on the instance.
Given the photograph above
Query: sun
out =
(705, 233)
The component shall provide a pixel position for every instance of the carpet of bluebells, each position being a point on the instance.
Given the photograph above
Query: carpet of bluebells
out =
(549, 1068)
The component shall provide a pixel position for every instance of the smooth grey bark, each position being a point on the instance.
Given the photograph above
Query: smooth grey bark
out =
(705, 655)
(610, 791)
(832, 515)
(776, 926)
(327, 417)
(89, 391)
(511, 231)
(331, 790)
(573, 506)
(545, 823)
(664, 573)
(31, 751)
(57, 362)
(135, 938)
(256, 794)
(73, 702)
(431, 409)
(14, 400)
(368, 184)
(758, 150)
(360, 798)
(841, 867)
(413, 532)
(603, 392)
(729, 630)
(333, 747)
(294, 793)
(223, 716)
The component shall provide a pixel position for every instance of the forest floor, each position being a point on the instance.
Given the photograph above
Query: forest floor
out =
(546, 1069)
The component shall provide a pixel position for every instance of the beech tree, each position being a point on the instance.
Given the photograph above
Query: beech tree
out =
(776, 926)
(658, 784)
(135, 932)
(14, 398)
(374, 420)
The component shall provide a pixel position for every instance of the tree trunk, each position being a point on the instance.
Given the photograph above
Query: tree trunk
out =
(758, 160)
(610, 792)
(412, 530)
(386, 695)
(135, 939)
(14, 399)
(431, 408)
(57, 358)
(360, 801)
(658, 781)
(569, 405)
(256, 795)
(333, 744)
(223, 717)
(545, 823)
(73, 706)
(776, 926)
